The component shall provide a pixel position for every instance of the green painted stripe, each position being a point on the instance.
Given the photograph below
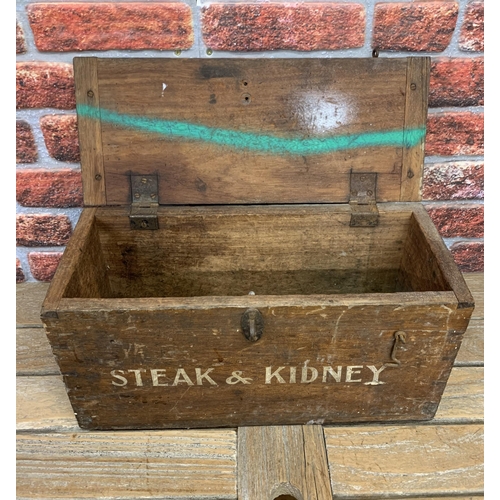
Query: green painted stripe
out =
(257, 142)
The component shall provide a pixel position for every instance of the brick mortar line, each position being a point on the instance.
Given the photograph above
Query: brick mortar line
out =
(458, 203)
(199, 49)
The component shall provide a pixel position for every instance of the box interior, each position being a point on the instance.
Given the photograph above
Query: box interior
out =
(231, 251)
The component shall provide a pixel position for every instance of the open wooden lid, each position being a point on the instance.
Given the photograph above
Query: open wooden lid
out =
(236, 131)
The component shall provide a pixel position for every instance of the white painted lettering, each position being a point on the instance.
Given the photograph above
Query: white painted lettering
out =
(237, 377)
(270, 375)
(123, 380)
(138, 378)
(328, 370)
(185, 379)
(293, 374)
(305, 369)
(376, 373)
(200, 376)
(353, 370)
(157, 373)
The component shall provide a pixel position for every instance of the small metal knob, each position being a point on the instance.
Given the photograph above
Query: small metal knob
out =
(252, 324)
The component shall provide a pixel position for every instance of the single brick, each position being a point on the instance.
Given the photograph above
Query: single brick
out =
(466, 221)
(19, 272)
(49, 188)
(61, 137)
(62, 27)
(26, 151)
(472, 31)
(463, 180)
(43, 265)
(20, 41)
(44, 85)
(455, 133)
(469, 256)
(457, 82)
(42, 230)
(307, 26)
(414, 26)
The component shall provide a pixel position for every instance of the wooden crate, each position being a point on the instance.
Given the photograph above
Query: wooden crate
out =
(252, 250)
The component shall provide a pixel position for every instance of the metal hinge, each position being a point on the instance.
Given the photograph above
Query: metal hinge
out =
(363, 200)
(144, 206)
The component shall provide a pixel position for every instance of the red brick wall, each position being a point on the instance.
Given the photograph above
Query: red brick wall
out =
(49, 35)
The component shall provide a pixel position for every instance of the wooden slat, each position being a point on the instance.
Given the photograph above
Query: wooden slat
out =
(29, 303)
(475, 282)
(392, 461)
(417, 87)
(33, 353)
(89, 131)
(463, 398)
(471, 352)
(127, 465)
(43, 405)
(282, 460)
(79, 244)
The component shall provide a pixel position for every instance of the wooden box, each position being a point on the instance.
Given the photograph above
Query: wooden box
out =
(252, 250)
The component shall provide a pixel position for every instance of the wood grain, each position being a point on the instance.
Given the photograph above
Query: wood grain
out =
(89, 132)
(402, 461)
(417, 89)
(129, 465)
(29, 298)
(293, 100)
(43, 405)
(461, 401)
(282, 460)
(471, 351)
(296, 336)
(463, 398)
(475, 282)
(33, 353)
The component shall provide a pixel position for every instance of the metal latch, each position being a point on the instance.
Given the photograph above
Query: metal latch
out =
(144, 206)
(363, 200)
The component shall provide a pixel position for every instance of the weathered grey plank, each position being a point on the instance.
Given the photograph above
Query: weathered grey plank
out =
(471, 352)
(413, 460)
(127, 465)
(475, 282)
(33, 353)
(29, 298)
(282, 461)
(463, 398)
(43, 405)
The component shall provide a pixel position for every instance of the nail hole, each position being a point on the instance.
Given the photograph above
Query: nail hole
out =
(375, 52)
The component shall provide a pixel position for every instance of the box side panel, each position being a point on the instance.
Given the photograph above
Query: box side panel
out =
(232, 131)
(268, 250)
(75, 255)
(195, 368)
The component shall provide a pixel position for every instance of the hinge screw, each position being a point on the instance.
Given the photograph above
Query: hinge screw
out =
(90, 93)
(413, 86)
(98, 177)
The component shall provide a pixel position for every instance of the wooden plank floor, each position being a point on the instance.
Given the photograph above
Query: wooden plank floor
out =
(441, 459)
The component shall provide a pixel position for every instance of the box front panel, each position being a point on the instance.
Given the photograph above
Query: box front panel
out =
(194, 367)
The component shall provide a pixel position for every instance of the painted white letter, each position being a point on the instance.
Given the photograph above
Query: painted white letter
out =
(200, 376)
(276, 374)
(123, 380)
(155, 374)
(138, 378)
(314, 373)
(328, 370)
(185, 378)
(376, 373)
(352, 370)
